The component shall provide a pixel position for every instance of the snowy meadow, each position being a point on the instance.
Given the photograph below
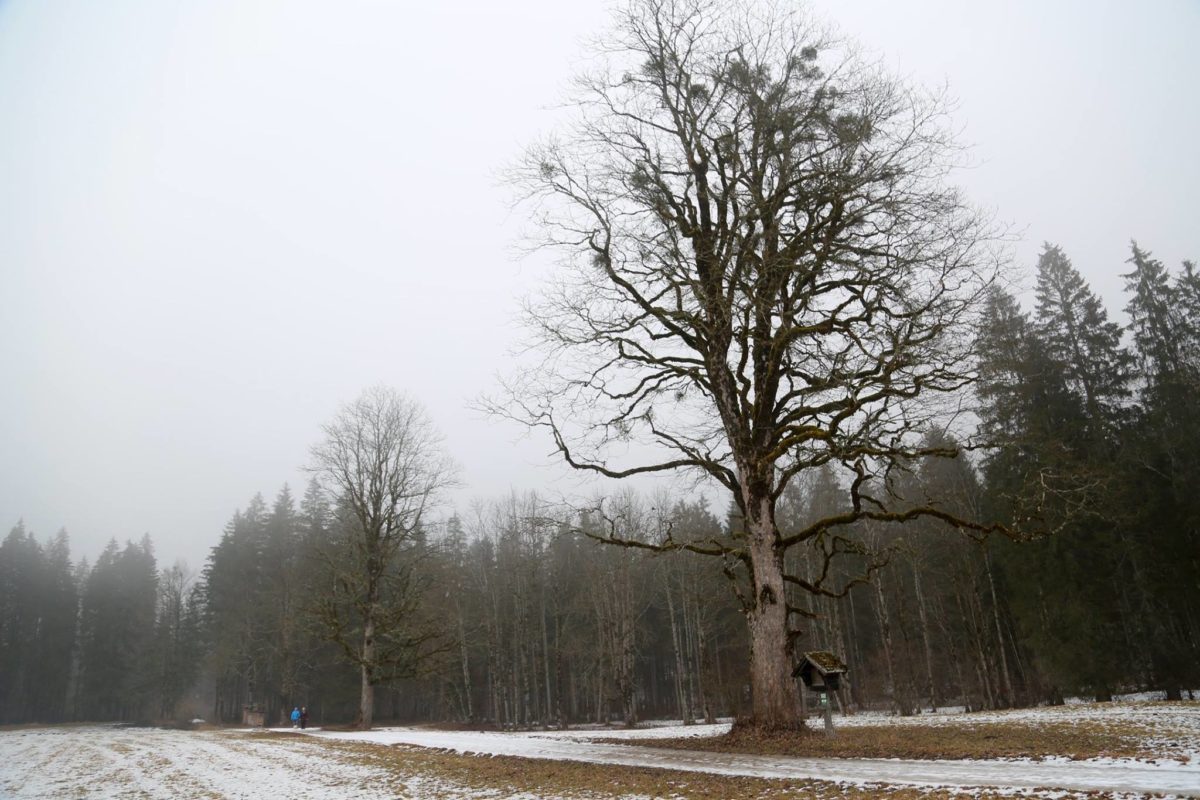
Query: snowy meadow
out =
(422, 762)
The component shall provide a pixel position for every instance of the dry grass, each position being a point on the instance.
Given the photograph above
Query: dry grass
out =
(504, 776)
(1074, 740)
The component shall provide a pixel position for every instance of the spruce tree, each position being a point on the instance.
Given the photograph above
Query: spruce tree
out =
(1164, 470)
(58, 601)
(118, 680)
(20, 564)
(1051, 389)
(1077, 335)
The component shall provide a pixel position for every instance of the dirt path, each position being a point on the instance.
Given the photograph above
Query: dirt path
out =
(1108, 776)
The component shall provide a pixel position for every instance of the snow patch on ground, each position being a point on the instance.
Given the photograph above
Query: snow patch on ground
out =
(110, 762)
(107, 762)
(1171, 728)
(1110, 775)
(660, 729)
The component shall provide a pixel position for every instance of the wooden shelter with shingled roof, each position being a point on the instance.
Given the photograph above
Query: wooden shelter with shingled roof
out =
(820, 670)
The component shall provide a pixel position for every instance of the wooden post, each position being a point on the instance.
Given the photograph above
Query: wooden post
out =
(827, 709)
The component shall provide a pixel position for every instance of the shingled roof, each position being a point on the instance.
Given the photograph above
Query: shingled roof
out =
(825, 662)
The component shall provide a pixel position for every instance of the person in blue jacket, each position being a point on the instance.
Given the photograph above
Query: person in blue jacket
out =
(296, 717)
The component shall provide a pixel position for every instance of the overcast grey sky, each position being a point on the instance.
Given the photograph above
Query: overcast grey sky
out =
(220, 220)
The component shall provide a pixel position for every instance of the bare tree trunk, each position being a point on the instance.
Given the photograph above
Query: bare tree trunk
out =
(601, 682)
(853, 655)
(930, 682)
(547, 711)
(685, 709)
(909, 697)
(773, 691)
(521, 681)
(833, 643)
(701, 692)
(366, 701)
(692, 655)
(885, 637)
(563, 686)
(494, 691)
(955, 656)
(626, 680)
(1006, 679)
(983, 663)
(466, 666)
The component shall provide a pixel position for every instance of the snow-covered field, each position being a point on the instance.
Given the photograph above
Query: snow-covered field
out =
(107, 762)
(110, 762)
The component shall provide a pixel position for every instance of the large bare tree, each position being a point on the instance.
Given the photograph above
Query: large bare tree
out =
(765, 271)
(383, 461)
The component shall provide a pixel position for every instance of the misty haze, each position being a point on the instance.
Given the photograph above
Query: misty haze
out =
(690, 398)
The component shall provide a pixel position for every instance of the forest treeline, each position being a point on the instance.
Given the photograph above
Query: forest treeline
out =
(509, 614)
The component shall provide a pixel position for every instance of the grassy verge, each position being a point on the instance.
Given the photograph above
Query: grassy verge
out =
(504, 776)
(1074, 740)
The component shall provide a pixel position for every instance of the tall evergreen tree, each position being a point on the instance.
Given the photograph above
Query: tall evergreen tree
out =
(118, 680)
(58, 601)
(1164, 538)
(235, 618)
(281, 601)
(1074, 329)
(1053, 391)
(20, 562)
(178, 643)
(1153, 316)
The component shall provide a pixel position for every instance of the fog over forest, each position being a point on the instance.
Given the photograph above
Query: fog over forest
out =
(526, 366)
(223, 221)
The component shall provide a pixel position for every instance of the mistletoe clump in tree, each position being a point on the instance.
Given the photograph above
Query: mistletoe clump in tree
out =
(765, 272)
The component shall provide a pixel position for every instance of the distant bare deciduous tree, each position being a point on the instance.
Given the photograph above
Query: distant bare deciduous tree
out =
(383, 461)
(766, 272)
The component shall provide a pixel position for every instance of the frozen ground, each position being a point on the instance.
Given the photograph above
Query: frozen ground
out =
(1108, 775)
(108, 762)
(105, 762)
(1173, 730)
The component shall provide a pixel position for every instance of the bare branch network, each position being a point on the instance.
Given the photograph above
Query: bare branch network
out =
(764, 268)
